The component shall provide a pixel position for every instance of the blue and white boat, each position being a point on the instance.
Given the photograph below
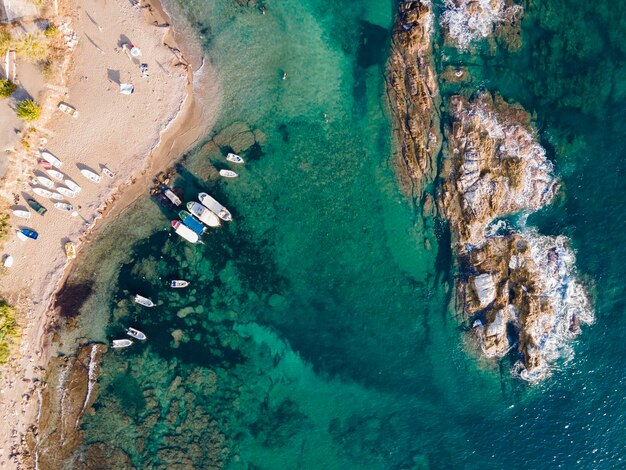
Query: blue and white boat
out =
(191, 222)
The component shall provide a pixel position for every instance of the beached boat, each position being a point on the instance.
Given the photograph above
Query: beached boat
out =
(136, 334)
(233, 157)
(218, 209)
(172, 197)
(90, 175)
(70, 250)
(47, 156)
(22, 214)
(56, 196)
(25, 233)
(48, 183)
(205, 215)
(121, 343)
(62, 206)
(69, 110)
(141, 300)
(66, 192)
(107, 172)
(57, 175)
(41, 210)
(178, 284)
(73, 186)
(42, 192)
(185, 232)
(191, 222)
(44, 164)
(8, 261)
(228, 174)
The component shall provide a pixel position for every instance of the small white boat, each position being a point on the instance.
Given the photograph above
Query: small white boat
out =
(136, 334)
(107, 172)
(42, 192)
(218, 209)
(228, 174)
(178, 284)
(66, 192)
(47, 156)
(56, 196)
(121, 343)
(63, 206)
(69, 110)
(57, 175)
(48, 183)
(205, 215)
(8, 261)
(172, 197)
(22, 214)
(185, 232)
(233, 157)
(73, 186)
(141, 300)
(90, 175)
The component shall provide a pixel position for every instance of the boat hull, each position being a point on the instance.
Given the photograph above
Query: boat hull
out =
(215, 207)
(54, 161)
(185, 232)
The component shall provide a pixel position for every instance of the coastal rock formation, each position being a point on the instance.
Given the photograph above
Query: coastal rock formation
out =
(412, 85)
(516, 288)
(467, 20)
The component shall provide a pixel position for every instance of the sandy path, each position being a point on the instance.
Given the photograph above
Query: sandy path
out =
(135, 136)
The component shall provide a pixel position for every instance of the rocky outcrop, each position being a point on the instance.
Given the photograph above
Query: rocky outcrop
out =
(516, 288)
(412, 85)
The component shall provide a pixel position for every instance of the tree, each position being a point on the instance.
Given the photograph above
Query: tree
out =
(7, 87)
(28, 110)
(8, 330)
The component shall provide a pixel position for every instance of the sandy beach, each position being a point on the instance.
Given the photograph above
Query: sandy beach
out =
(135, 136)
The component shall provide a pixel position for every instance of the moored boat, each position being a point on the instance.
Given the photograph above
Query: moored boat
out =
(27, 233)
(228, 174)
(57, 175)
(191, 222)
(203, 214)
(41, 210)
(42, 192)
(48, 183)
(47, 156)
(66, 192)
(70, 250)
(172, 197)
(22, 214)
(141, 300)
(185, 232)
(136, 334)
(218, 209)
(178, 284)
(62, 206)
(90, 175)
(233, 157)
(121, 343)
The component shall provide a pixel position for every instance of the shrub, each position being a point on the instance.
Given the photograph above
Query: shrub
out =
(28, 110)
(51, 31)
(5, 41)
(31, 46)
(7, 87)
(8, 330)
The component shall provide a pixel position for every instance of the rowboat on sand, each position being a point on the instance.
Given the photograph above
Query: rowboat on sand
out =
(62, 206)
(57, 175)
(48, 183)
(25, 234)
(42, 192)
(90, 175)
(73, 186)
(22, 214)
(47, 156)
(66, 192)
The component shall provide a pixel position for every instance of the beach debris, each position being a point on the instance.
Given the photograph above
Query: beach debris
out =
(70, 250)
(144, 71)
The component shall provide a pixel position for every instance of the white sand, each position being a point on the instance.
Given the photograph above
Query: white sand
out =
(113, 129)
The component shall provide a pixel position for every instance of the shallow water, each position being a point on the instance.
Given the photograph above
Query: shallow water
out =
(317, 331)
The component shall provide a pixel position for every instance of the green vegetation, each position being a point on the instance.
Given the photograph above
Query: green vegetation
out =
(28, 110)
(51, 31)
(31, 46)
(7, 87)
(5, 41)
(8, 330)
(5, 227)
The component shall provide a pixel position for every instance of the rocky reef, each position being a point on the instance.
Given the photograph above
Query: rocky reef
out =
(413, 89)
(516, 288)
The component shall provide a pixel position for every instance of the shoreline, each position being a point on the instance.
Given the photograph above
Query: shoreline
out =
(23, 376)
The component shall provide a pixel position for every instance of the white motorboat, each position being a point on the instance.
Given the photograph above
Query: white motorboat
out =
(57, 175)
(22, 214)
(136, 334)
(172, 197)
(73, 186)
(90, 175)
(66, 192)
(121, 343)
(233, 157)
(42, 192)
(205, 215)
(218, 209)
(185, 232)
(63, 206)
(178, 284)
(48, 183)
(107, 172)
(228, 174)
(141, 300)
(47, 156)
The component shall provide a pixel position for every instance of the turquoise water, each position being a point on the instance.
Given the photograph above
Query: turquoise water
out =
(317, 332)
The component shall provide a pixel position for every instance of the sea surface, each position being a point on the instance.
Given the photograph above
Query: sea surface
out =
(318, 331)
